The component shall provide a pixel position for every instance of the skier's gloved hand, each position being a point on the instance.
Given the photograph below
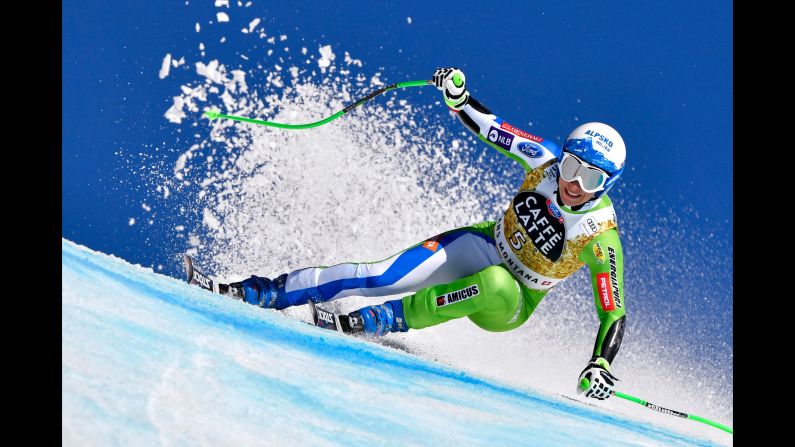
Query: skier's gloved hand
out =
(453, 83)
(595, 380)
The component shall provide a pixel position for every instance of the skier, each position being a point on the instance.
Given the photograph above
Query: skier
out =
(494, 273)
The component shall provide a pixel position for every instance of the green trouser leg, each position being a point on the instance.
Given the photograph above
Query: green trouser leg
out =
(491, 298)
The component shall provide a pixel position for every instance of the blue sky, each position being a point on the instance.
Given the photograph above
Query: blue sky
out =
(659, 72)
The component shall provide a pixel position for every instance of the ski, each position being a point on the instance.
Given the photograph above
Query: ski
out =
(347, 324)
(322, 318)
(196, 277)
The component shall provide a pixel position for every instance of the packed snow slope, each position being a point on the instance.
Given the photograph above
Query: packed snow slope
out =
(150, 360)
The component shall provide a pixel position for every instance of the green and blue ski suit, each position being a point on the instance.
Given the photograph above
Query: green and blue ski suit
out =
(494, 273)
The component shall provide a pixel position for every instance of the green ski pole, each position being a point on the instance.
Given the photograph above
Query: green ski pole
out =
(584, 383)
(214, 114)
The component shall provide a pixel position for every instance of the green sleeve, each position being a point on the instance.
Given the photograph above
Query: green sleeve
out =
(605, 260)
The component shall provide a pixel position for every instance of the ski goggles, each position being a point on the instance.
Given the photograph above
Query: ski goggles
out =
(572, 168)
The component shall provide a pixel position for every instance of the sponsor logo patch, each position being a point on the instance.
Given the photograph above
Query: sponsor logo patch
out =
(551, 172)
(325, 319)
(599, 253)
(431, 245)
(520, 132)
(202, 281)
(600, 139)
(603, 286)
(554, 211)
(500, 138)
(589, 227)
(458, 295)
(611, 253)
(532, 150)
(547, 235)
(322, 315)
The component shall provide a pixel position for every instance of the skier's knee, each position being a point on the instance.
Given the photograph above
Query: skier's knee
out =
(503, 301)
(492, 291)
(497, 290)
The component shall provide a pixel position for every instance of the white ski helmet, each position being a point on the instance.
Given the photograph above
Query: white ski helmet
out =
(598, 145)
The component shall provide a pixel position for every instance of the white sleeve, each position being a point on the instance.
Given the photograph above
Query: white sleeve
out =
(529, 150)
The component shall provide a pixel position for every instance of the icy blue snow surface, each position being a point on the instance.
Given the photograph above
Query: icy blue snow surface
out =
(149, 360)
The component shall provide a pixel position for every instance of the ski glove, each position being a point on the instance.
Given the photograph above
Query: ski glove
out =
(453, 83)
(600, 382)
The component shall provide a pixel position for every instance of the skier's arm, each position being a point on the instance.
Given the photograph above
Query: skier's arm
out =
(527, 149)
(605, 260)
